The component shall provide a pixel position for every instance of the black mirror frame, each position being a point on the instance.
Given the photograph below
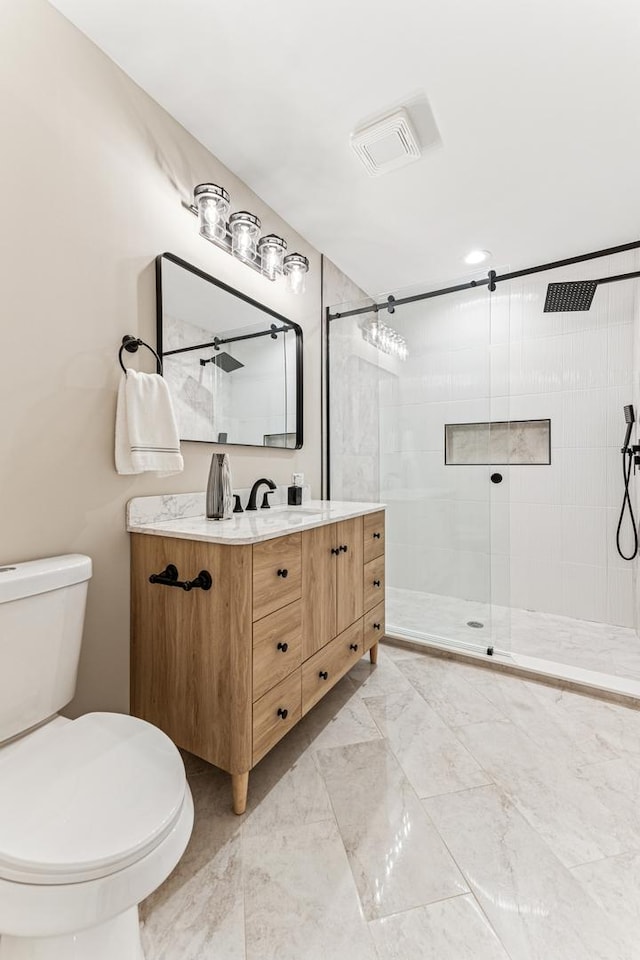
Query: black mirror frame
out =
(254, 303)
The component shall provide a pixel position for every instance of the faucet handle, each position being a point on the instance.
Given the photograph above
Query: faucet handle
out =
(265, 500)
(237, 507)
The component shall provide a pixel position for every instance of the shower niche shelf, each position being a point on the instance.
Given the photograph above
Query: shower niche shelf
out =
(509, 442)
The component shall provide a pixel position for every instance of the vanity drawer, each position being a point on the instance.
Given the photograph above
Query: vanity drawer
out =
(275, 713)
(373, 582)
(374, 626)
(277, 574)
(277, 647)
(373, 535)
(328, 665)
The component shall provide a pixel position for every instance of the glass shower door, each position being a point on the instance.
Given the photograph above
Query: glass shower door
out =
(415, 434)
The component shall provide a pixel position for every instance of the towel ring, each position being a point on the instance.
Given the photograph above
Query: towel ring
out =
(131, 344)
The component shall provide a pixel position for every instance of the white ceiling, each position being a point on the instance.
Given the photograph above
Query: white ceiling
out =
(536, 103)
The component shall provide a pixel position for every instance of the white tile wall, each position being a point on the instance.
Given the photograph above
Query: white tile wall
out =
(584, 534)
(620, 595)
(584, 588)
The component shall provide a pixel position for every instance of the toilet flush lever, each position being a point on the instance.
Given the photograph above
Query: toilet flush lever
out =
(169, 578)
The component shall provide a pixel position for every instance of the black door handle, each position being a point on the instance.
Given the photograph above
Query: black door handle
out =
(323, 675)
(283, 646)
(283, 573)
(284, 713)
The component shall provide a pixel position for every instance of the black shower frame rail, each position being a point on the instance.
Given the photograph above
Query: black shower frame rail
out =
(489, 281)
(492, 279)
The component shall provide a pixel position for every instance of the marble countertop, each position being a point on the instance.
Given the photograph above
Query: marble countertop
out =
(246, 528)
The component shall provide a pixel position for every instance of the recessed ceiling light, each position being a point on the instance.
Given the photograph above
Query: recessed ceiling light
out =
(477, 256)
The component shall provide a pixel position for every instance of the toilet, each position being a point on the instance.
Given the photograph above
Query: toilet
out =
(94, 813)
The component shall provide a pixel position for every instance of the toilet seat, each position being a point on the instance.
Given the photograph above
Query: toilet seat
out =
(86, 799)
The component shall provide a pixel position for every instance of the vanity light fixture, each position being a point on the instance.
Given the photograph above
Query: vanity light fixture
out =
(245, 230)
(295, 268)
(239, 234)
(385, 338)
(212, 203)
(272, 250)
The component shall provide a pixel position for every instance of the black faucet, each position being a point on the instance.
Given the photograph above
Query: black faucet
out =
(254, 493)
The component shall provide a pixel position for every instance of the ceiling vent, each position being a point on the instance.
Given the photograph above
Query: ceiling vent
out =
(387, 143)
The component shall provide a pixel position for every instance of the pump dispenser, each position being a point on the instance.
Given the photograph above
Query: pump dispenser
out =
(294, 492)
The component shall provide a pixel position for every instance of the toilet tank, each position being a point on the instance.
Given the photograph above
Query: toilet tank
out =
(42, 604)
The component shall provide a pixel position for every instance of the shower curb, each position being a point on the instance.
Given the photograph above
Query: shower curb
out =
(515, 670)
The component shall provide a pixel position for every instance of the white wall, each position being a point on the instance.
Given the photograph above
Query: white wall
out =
(93, 173)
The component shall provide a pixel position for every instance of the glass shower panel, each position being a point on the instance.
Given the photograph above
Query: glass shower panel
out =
(572, 594)
(388, 416)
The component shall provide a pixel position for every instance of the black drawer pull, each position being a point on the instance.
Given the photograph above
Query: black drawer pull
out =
(283, 573)
(169, 578)
(283, 646)
(376, 626)
(344, 548)
(283, 712)
(323, 675)
(376, 536)
(335, 550)
(353, 646)
(376, 583)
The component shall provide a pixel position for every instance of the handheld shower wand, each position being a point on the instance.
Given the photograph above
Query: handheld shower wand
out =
(630, 419)
(627, 462)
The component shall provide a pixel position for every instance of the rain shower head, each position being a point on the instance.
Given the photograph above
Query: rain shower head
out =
(570, 296)
(225, 361)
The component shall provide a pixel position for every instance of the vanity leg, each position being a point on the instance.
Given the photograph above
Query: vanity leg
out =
(373, 653)
(240, 788)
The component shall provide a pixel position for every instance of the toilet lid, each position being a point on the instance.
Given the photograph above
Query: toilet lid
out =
(86, 798)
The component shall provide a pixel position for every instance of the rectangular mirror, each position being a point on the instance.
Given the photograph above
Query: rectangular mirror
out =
(233, 366)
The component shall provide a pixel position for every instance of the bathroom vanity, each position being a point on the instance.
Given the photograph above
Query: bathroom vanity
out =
(296, 597)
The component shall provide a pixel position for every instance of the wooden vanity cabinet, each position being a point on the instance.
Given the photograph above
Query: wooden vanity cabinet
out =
(228, 671)
(332, 581)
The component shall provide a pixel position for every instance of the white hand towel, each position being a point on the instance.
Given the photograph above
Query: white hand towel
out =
(146, 430)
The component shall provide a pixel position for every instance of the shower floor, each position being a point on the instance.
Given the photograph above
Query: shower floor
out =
(598, 647)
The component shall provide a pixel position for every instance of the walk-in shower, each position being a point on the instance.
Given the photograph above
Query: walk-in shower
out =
(494, 437)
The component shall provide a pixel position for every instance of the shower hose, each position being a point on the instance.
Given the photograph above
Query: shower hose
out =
(627, 505)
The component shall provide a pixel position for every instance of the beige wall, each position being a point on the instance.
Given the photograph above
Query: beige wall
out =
(92, 173)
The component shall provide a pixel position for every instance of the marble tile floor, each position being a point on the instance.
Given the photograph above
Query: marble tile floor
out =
(428, 809)
(600, 647)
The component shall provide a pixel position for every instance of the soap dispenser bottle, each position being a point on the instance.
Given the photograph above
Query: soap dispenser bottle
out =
(294, 492)
(219, 488)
